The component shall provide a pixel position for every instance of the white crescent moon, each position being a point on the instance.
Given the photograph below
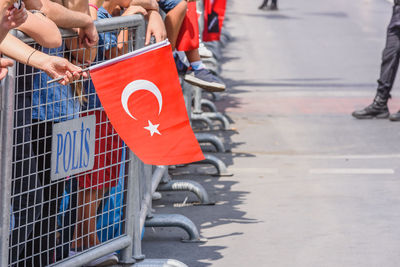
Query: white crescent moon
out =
(136, 86)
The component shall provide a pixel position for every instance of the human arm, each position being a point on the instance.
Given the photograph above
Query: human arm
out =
(122, 43)
(10, 17)
(4, 64)
(94, 5)
(66, 18)
(146, 4)
(80, 54)
(42, 30)
(155, 27)
(54, 66)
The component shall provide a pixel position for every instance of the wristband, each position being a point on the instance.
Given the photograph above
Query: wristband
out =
(27, 61)
(94, 6)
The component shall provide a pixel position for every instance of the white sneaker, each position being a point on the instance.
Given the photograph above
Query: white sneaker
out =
(204, 52)
(107, 260)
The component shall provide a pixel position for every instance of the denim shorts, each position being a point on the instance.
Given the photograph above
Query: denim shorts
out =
(168, 5)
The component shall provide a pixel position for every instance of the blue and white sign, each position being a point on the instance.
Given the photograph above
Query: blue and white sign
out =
(73, 147)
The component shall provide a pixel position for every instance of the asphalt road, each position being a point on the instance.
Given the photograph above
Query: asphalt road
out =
(312, 186)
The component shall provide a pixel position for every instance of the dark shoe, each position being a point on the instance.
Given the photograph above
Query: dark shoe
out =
(263, 5)
(378, 109)
(395, 116)
(205, 79)
(180, 66)
(273, 6)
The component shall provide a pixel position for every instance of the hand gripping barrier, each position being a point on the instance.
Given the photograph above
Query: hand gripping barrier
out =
(62, 206)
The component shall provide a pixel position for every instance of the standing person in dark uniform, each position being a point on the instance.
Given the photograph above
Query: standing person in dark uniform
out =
(390, 63)
(274, 5)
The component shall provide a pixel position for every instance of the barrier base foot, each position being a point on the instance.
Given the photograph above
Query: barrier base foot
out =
(187, 185)
(218, 116)
(208, 104)
(204, 119)
(160, 263)
(219, 165)
(210, 138)
(201, 240)
(175, 220)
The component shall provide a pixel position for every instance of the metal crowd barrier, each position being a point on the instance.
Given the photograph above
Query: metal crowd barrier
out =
(76, 192)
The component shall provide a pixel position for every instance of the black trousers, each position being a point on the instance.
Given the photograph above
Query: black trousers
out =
(390, 55)
(265, 3)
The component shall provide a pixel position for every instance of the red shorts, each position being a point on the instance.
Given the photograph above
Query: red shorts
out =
(107, 159)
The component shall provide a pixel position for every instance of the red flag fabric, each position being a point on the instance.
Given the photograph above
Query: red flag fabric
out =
(188, 38)
(214, 15)
(142, 97)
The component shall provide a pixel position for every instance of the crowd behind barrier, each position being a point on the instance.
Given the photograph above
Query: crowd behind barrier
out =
(78, 195)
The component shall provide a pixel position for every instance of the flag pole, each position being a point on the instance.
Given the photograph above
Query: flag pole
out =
(120, 58)
(60, 78)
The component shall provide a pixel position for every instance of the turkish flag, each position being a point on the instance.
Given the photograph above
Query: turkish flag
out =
(188, 38)
(214, 15)
(143, 99)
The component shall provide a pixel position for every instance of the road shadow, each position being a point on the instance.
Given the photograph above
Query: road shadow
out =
(166, 242)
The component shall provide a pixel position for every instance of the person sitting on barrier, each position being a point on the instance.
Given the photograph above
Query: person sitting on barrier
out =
(198, 75)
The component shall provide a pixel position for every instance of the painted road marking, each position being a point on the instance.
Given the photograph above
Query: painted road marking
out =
(255, 170)
(351, 171)
(320, 156)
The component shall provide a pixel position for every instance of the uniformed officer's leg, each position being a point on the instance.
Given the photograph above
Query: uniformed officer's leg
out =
(389, 66)
(263, 5)
(274, 5)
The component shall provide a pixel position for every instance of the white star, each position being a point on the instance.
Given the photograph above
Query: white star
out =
(152, 128)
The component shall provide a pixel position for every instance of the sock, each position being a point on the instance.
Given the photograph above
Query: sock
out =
(197, 65)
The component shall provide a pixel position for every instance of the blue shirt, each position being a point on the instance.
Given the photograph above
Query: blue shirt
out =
(107, 40)
(54, 101)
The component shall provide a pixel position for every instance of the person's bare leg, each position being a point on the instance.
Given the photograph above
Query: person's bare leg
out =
(85, 234)
(92, 198)
(193, 55)
(77, 238)
(173, 22)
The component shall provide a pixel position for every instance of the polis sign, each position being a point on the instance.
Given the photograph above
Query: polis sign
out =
(73, 147)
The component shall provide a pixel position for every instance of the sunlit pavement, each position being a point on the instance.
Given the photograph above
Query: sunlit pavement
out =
(312, 186)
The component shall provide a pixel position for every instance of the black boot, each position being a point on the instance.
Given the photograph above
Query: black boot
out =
(395, 116)
(378, 109)
(274, 6)
(263, 5)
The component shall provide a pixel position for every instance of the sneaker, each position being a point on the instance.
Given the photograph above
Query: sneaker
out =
(204, 51)
(180, 66)
(206, 80)
(107, 260)
(156, 196)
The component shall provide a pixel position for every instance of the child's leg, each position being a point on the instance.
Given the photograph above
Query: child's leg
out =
(173, 22)
(92, 201)
(85, 234)
(77, 242)
(193, 55)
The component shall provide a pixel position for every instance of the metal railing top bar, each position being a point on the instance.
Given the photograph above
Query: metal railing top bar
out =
(102, 25)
